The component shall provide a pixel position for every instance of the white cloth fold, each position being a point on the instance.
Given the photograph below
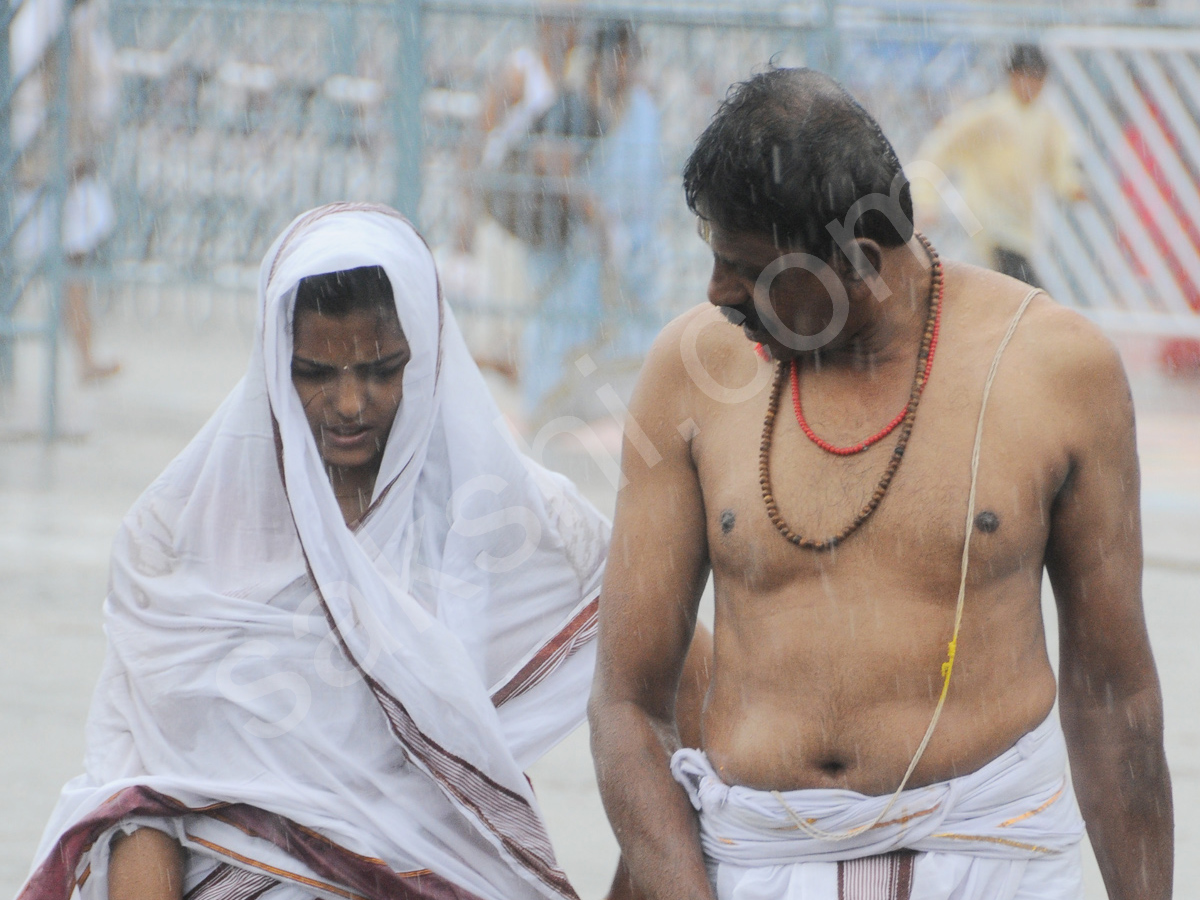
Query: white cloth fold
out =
(262, 653)
(992, 828)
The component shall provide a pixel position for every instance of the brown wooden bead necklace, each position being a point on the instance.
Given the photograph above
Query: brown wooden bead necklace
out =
(920, 378)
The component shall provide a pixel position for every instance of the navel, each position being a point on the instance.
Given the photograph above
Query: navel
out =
(832, 767)
(987, 521)
(728, 520)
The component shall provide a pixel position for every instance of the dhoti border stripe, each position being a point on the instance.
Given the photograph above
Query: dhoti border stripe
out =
(505, 813)
(227, 882)
(581, 629)
(55, 878)
(272, 874)
(885, 877)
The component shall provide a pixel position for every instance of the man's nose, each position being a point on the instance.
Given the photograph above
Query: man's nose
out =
(350, 396)
(726, 289)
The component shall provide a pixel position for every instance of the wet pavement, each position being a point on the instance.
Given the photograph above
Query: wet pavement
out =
(60, 506)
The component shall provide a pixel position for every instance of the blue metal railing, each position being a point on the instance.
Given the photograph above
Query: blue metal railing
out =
(33, 207)
(202, 182)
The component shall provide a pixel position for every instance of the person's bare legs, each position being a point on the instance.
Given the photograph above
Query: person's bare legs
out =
(145, 865)
(78, 318)
(689, 708)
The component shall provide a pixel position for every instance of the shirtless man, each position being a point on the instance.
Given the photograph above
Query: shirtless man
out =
(829, 662)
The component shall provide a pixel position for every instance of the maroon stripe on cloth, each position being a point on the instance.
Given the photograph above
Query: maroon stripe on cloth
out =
(227, 882)
(199, 889)
(888, 876)
(578, 632)
(55, 877)
(505, 813)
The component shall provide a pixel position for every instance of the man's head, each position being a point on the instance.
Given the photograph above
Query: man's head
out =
(616, 53)
(557, 34)
(1027, 68)
(789, 152)
(348, 358)
(791, 163)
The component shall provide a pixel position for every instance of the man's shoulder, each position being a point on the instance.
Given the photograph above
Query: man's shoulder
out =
(699, 337)
(1056, 346)
(697, 360)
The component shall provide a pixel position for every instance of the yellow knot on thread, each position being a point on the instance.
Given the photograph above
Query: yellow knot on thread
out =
(949, 663)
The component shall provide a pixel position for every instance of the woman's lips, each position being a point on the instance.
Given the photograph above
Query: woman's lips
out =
(346, 438)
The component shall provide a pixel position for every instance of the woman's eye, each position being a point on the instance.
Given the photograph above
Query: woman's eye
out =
(305, 373)
(383, 373)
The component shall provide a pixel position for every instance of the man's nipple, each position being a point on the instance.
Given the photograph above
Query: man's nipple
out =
(987, 521)
(728, 520)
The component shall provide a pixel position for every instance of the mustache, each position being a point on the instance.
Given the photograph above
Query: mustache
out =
(744, 315)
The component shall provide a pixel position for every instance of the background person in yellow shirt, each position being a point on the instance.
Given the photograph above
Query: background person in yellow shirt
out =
(997, 151)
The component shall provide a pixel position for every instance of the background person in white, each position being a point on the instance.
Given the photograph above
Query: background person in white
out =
(998, 151)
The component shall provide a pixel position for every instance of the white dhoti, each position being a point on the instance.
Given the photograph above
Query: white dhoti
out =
(1009, 830)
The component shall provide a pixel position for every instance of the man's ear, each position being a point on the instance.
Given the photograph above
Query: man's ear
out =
(860, 260)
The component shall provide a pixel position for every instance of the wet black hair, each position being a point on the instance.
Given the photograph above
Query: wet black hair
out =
(1028, 58)
(338, 294)
(788, 153)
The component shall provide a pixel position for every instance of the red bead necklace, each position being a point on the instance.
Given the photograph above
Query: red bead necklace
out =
(908, 418)
(891, 426)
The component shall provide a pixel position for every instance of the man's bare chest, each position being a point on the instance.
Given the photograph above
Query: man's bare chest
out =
(917, 528)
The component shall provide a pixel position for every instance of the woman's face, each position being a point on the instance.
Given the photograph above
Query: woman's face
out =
(349, 373)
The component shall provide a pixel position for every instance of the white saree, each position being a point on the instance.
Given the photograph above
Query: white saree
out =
(1008, 831)
(319, 711)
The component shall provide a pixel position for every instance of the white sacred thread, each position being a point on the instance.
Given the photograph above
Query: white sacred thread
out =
(948, 666)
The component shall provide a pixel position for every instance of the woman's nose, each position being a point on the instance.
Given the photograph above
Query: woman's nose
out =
(350, 396)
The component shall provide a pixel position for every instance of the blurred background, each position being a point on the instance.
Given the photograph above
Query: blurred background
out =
(150, 150)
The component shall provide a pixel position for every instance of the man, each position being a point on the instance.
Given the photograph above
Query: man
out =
(496, 221)
(597, 285)
(999, 150)
(861, 726)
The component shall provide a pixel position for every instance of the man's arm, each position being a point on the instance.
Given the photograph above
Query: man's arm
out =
(1110, 700)
(657, 567)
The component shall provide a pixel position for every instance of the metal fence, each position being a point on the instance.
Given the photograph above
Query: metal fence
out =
(234, 116)
(1131, 257)
(34, 112)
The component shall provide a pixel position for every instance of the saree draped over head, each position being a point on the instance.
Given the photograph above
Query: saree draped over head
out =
(345, 710)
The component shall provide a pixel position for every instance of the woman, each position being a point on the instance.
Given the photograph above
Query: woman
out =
(342, 622)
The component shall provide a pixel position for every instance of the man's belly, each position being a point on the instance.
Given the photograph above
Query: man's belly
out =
(868, 753)
(773, 722)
